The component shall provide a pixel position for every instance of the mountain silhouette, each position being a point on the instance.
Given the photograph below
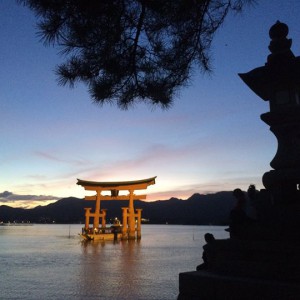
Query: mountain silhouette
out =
(197, 210)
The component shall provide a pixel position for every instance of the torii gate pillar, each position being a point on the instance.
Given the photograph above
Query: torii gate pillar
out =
(139, 223)
(131, 218)
(124, 228)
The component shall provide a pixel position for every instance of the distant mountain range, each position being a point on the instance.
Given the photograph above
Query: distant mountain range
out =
(197, 210)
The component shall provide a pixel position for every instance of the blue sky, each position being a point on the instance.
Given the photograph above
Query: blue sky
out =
(212, 139)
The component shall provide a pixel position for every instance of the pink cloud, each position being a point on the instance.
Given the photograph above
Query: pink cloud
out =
(52, 157)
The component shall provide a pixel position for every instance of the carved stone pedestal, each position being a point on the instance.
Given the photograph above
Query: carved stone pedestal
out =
(246, 270)
(204, 285)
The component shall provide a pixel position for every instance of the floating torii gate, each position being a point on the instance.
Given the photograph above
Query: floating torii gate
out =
(129, 214)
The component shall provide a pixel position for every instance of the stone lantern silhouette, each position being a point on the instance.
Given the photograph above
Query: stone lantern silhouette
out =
(265, 263)
(279, 83)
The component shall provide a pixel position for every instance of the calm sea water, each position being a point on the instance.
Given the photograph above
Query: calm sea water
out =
(50, 262)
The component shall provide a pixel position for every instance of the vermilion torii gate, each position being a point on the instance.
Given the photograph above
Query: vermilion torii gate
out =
(129, 214)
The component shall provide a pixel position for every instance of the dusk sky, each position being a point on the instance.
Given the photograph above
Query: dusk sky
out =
(211, 139)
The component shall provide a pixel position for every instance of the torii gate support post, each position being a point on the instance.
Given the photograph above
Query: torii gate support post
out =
(131, 218)
(139, 222)
(97, 215)
(124, 228)
(103, 215)
(97, 210)
(87, 217)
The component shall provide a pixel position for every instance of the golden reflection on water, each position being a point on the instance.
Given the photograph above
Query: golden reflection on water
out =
(112, 269)
(47, 262)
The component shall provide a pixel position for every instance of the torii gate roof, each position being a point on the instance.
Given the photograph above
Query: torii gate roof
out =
(118, 185)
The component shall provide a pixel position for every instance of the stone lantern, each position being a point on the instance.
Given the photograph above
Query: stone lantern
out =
(278, 82)
(266, 263)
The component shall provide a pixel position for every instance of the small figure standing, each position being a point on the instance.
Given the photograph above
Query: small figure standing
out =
(240, 223)
(207, 254)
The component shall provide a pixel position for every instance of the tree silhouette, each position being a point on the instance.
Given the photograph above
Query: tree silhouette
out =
(128, 51)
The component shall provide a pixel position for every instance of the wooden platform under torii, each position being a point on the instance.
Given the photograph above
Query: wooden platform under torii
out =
(131, 223)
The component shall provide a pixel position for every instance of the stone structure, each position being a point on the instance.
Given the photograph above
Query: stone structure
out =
(131, 223)
(266, 265)
(279, 83)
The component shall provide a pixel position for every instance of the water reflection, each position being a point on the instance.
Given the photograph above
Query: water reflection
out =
(42, 262)
(110, 270)
(145, 269)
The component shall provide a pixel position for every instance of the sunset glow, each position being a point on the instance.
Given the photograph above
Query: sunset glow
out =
(210, 140)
